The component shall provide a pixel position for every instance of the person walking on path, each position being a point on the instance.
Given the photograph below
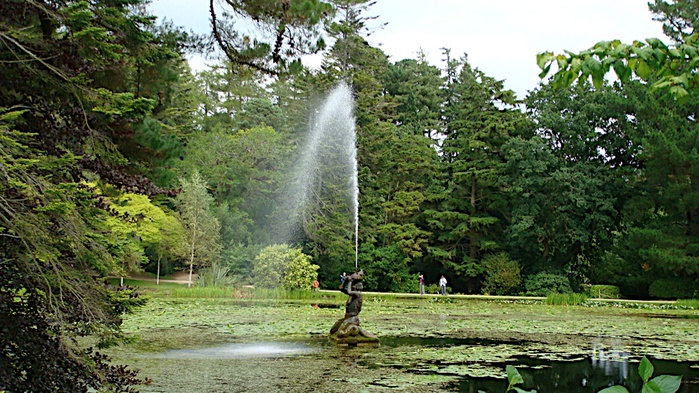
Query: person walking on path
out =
(421, 278)
(343, 277)
(443, 285)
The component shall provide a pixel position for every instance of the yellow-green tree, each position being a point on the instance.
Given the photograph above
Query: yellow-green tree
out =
(139, 224)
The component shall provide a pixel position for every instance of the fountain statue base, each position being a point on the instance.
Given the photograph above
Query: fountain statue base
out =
(347, 331)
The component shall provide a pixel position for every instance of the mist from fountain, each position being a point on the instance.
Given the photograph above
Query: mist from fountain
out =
(328, 163)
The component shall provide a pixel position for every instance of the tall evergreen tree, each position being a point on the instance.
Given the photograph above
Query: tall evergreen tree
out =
(658, 247)
(467, 219)
(417, 88)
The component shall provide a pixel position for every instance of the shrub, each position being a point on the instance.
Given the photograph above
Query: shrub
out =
(672, 289)
(604, 292)
(299, 272)
(502, 275)
(282, 266)
(542, 284)
(433, 289)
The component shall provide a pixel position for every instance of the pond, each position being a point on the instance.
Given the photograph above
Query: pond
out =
(219, 346)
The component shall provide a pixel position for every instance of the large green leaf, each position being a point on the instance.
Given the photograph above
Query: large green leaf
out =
(614, 389)
(543, 58)
(518, 390)
(663, 384)
(643, 71)
(645, 369)
(513, 375)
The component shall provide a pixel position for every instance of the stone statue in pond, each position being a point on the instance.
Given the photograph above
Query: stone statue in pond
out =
(347, 330)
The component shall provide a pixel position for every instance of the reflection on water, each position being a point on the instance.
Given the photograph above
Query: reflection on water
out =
(605, 366)
(613, 362)
(228, 351)
(584, 376)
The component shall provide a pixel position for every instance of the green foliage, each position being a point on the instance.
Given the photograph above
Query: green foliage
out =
(543, 284)
(269, 265)
(259, 112)
(565, 299)
(564, 182)
(239, 258)
(679, 17)
(416, 86)
(158, 149)
(674, 289)
(671, 68)
(34, 356)
(244, 171)
(280, 266)
(139, 225)
(385, 269)
(502, 274)
(604, 292)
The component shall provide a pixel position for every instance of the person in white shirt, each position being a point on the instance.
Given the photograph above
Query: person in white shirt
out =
(443, 285)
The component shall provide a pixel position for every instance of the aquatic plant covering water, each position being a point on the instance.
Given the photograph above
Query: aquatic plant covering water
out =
(224, 344)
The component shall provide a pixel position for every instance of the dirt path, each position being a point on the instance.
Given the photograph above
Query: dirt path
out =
(177, 278)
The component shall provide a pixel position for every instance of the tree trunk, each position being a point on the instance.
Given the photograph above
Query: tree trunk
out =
(191, 257)
(191, 266)
(473, 247)
(157, 277)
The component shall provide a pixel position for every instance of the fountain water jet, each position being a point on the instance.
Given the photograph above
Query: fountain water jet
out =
(328, 162)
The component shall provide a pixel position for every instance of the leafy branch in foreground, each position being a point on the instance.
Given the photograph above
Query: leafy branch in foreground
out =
(671, 67)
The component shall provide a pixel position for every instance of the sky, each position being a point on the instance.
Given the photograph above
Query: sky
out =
(501, 37)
